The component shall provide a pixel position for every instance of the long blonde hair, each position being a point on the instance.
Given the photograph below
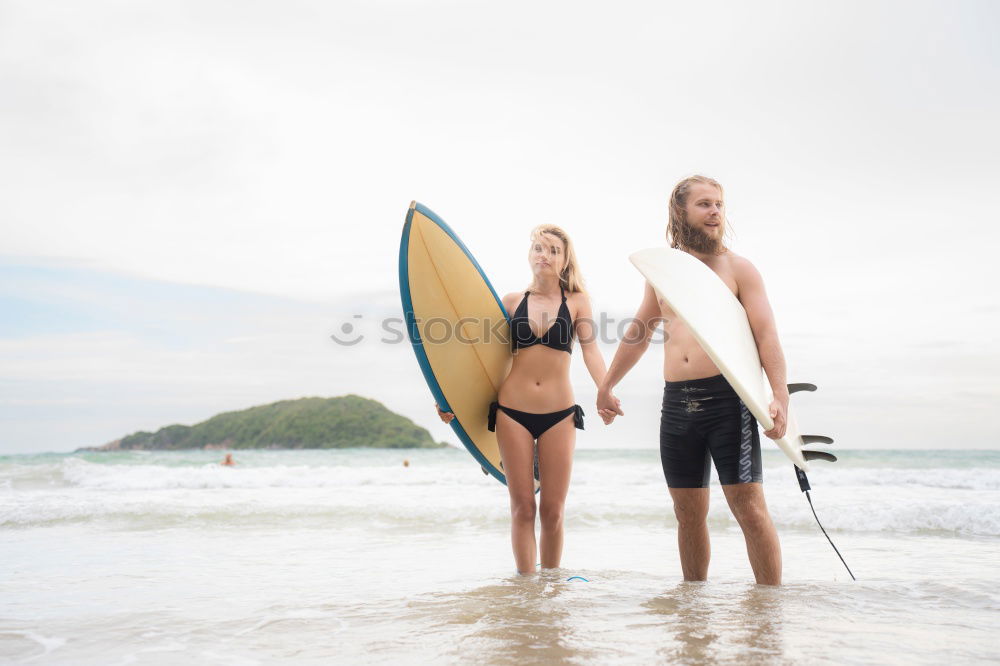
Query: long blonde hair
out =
(677, 229)
(569, 278)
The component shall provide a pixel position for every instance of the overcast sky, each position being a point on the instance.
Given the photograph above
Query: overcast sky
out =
(195, 195)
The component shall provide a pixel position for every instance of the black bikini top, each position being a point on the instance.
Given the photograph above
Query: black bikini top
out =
(558, 336)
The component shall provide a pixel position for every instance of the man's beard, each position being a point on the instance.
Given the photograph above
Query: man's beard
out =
(694, 238)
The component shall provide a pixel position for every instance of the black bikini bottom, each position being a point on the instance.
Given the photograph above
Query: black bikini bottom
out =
(536, 424)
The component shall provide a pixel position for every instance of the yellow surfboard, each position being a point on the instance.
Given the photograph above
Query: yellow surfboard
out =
(458, 328)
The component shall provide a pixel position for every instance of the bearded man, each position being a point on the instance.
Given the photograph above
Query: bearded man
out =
(702, 418)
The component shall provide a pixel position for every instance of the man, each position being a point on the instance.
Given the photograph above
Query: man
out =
(702, 417)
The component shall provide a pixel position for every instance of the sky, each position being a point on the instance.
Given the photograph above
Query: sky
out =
(194, 196)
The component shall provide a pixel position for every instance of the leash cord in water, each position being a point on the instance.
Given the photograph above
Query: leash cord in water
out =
(828, 536)
(804, 485)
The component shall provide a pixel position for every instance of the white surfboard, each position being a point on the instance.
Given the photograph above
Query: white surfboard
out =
(718, 321)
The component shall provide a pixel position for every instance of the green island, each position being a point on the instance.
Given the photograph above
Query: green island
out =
(307, 423)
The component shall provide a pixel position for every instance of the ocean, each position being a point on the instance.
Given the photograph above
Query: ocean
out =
(348, 556)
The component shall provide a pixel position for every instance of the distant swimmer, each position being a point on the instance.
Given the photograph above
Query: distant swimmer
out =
(406, 462)
(228, 462)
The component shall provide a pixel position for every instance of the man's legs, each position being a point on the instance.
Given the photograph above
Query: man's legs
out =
(686, 464)
(691, 509)
(735, 446)
(746, 500)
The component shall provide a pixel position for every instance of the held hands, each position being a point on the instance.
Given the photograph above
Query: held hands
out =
(779, 414)
(444, 416)
(608, 407)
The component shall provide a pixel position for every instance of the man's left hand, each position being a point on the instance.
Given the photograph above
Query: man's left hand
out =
(779, 414)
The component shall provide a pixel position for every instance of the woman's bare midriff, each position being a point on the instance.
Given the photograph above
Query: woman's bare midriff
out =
(538, 381)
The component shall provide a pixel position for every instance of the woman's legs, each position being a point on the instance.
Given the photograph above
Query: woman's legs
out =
(517, 450)
(555, 463)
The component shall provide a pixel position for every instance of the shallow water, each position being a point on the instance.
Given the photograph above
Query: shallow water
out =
(349, 556)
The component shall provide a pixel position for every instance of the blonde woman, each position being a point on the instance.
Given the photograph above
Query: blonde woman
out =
(535, 405)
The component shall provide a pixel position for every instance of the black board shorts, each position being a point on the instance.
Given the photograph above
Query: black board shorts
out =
(703, 420)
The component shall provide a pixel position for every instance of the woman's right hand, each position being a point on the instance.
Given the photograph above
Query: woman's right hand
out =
(608, 407)
(444, 416)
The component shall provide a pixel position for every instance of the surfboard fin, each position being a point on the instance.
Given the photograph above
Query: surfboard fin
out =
(818, 455)
(484, 470)
(795, 388)
(817, 439)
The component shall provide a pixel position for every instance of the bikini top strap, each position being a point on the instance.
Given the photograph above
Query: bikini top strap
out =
(562, 293)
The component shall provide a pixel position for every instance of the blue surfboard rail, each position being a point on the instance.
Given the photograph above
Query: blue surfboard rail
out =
(414, 333)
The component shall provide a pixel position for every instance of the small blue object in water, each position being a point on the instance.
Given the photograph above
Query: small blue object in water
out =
(577, 578)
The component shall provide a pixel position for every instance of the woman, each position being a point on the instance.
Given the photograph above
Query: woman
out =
(535, 401)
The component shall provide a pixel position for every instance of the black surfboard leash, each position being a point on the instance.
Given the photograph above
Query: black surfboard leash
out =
(805, 487)
(811, 454)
